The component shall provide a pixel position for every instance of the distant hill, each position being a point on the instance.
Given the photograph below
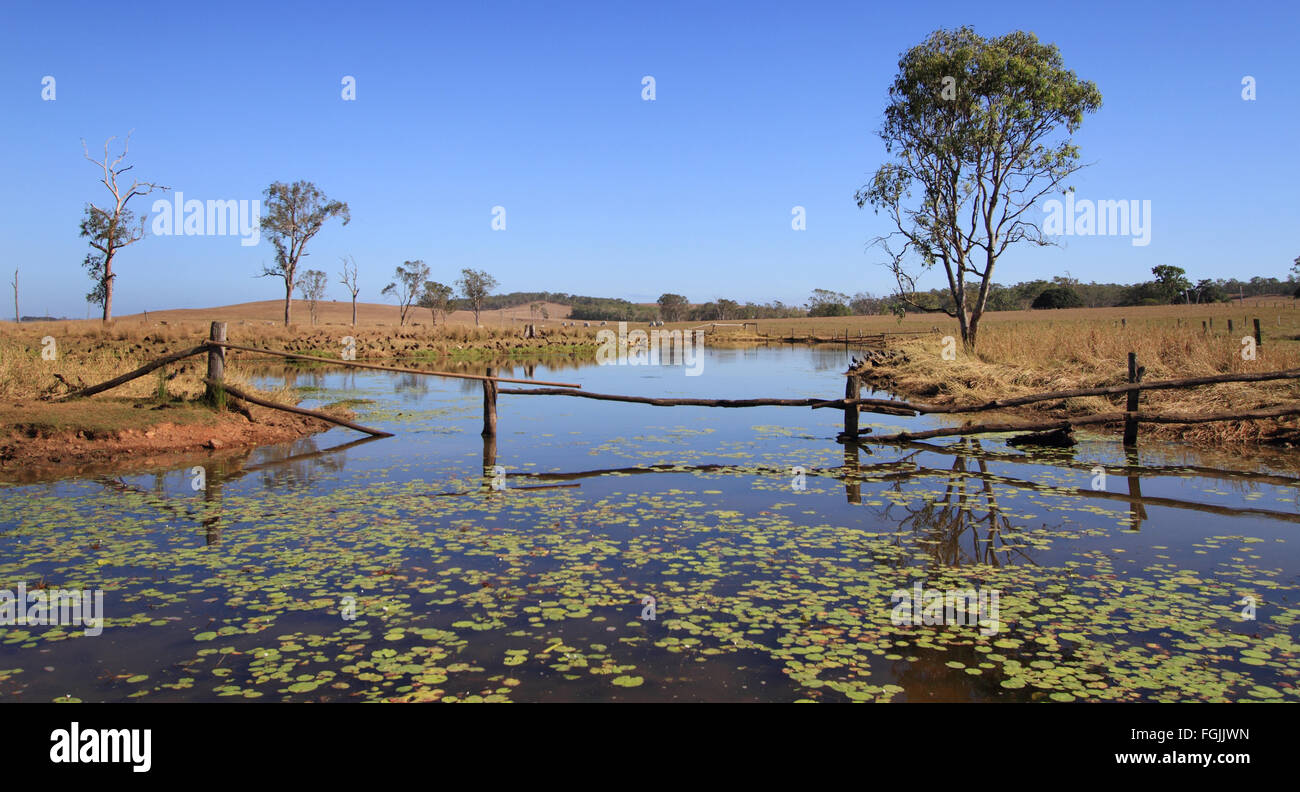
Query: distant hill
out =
(338, 312)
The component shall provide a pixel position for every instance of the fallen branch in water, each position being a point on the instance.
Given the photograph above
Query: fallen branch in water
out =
(239, 394)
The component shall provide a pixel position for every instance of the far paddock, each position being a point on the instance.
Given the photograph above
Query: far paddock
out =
(651, 348)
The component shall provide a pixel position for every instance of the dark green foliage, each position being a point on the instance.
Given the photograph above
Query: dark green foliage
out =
(1057, 297)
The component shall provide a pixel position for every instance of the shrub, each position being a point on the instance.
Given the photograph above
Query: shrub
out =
(1057, 297)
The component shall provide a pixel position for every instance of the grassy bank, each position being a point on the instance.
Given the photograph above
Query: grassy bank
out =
(87, 352)
(1016, 358)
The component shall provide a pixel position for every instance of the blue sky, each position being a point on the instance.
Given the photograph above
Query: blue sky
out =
(537, 107)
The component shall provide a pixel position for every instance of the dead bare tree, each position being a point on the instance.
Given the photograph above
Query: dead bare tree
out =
(15, 285)
(111, 229)
(348, 277)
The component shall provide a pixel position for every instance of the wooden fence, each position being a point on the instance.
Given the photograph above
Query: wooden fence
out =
(852, 404)
(217, 387)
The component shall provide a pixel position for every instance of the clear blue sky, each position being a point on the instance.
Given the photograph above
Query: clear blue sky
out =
(537, 107)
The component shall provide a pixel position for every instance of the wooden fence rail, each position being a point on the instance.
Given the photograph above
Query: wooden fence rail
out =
(1017, 401)
(217, 387)
(398, 369)
(1085, 420)
(851, 404)
(239, 394)
(658, 402)
(135, 374)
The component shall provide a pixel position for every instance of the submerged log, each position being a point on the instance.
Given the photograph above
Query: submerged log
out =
(1056, 438)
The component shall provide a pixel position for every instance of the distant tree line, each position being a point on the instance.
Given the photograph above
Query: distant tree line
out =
(1170, 286)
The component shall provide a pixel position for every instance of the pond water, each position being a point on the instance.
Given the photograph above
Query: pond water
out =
(619, 551)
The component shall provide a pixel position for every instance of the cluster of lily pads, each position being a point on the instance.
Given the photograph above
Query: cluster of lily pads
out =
(396, 590)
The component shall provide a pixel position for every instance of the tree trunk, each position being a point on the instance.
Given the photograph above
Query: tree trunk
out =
(288, 299)
(108, 288)
(964, 325)
(354, 310)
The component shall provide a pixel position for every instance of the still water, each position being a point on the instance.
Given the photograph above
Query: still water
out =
(608, 551)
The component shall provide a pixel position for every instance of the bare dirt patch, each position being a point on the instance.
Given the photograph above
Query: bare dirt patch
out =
(43, 438)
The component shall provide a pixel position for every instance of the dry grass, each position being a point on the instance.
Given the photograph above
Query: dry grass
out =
(1016, 358)
(1019, 352)
(270, 313)
(88, 352)
(1268, 309)
(24, 374)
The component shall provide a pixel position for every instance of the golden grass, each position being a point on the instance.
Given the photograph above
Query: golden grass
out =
(89, 352)
(1015, 358)
(339, 313)
(1268, 309)
(24, 374)
(1018, 352)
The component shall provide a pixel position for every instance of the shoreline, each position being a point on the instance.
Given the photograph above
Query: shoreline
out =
(45, 441)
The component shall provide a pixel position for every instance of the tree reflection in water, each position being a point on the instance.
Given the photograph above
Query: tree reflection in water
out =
(962, 527)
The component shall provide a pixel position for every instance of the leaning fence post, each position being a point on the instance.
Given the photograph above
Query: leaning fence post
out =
(215, 394)
(1130, 422)
(489, 406)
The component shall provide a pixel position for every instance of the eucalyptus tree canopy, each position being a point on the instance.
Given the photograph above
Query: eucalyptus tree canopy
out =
(978, 129)
(294, 214)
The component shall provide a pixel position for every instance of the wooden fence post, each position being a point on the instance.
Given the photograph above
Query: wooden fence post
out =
(1259, 340)
(489, 406)
(1130, 423)
(215, 394)
(852, 390)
